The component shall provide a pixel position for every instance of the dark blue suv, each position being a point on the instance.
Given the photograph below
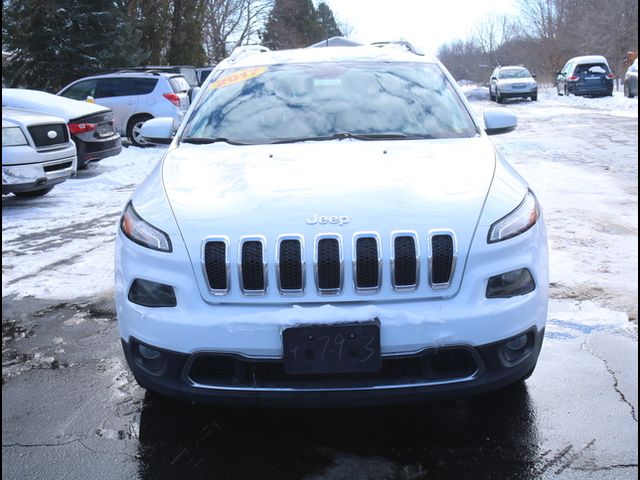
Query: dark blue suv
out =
(587, 75)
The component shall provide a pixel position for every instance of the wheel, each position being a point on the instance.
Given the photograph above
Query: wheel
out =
(133, 130)
(33, 193)
(499, 98)
(559, 92)
(534, 98)
(566, 91)
(491, 96)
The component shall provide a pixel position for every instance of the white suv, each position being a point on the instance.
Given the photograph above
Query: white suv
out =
(134, 98)
(331, 225)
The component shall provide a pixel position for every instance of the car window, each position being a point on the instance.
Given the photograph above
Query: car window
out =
(121, 87)
(139, 86)
(280, 102)
(81, 90)
(591, 68)
(179, 84)
(508, 73)
(190, 75)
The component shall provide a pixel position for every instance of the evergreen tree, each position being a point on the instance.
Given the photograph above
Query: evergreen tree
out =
(187, 33)
(292, 24)
(327, 21)
(55, 42)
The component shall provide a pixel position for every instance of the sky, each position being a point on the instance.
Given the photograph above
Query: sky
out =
(426, 24)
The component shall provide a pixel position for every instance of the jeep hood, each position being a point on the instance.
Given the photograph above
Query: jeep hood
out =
(271, 190)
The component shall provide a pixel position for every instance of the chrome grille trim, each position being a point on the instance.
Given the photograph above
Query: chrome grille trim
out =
(226, 241)
(328, 291)
(366, 290)
(392, 260)
(263, 241)
(454, 256)
(303, 271)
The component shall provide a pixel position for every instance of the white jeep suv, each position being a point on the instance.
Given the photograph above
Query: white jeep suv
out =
(331, 226)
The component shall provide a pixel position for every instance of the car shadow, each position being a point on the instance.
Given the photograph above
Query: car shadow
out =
(489, 436)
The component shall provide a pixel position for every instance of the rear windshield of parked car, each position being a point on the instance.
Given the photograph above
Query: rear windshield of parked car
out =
(179, 84)
(593, 68)
(280, 102)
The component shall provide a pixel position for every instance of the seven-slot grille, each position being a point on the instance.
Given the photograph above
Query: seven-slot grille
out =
(328, 263)
(49, 135)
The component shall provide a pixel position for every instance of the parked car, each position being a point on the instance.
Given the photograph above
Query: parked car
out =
(586, 75)
(187, 71)
(512, 82)
(203, 73)
(631, 80)
(317, 235)
(91, 126)
(37, 153)
(134, 98)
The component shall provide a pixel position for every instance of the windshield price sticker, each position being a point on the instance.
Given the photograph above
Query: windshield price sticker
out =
(238, 77)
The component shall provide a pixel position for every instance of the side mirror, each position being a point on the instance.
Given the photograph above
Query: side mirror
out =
(493, 78)
(499, 120)
(158, 131)
(533, 75)
(90, 99)
(559, 73)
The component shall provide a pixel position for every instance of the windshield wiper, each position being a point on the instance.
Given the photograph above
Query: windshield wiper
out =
(207, 140)
(356, 136)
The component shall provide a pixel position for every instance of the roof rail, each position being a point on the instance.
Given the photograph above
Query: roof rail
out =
(141, 72)
(401, 43)
(245, 50)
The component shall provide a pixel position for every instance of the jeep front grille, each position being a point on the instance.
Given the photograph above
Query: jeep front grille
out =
(367, 263)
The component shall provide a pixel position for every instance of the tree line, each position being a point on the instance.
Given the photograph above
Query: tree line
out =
(544, 35)
(51, 43)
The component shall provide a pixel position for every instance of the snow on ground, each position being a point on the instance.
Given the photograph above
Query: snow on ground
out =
(38, 257)
(579, 155)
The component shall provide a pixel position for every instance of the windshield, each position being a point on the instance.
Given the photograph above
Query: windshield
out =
(515, 73)
(298, 102)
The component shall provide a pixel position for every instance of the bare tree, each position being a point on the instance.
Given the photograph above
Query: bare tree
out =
(230, 23)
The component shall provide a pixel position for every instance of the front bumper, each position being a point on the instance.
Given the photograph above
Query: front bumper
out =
(267, 385)
(54, 167)
(518, 93)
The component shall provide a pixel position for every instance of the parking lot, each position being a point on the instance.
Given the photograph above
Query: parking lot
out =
(71, 409)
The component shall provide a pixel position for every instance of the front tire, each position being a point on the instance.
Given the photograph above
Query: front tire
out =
(133, 130)
(534, 98)
(499, 98)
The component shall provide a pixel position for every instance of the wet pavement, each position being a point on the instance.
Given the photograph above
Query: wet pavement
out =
(85, 417)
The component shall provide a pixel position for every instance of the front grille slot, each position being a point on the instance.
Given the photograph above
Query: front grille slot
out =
(41, 138)
(253, 267)
(432, 365)
(329, 265)
(441, 259)
(57, 166)
(367, 263)
(405, 268)
(290, 266)
(216, 265)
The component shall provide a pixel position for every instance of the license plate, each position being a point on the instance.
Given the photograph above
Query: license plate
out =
(340, 348)
(592, 78)
(519, 85)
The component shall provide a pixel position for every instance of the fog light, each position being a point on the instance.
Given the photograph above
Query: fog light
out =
(510, 284)
(152, 294)
(517, 344)
(148, 353)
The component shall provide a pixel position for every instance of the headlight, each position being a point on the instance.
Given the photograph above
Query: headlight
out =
(143, 233)
(13, 137)
(520, 220)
